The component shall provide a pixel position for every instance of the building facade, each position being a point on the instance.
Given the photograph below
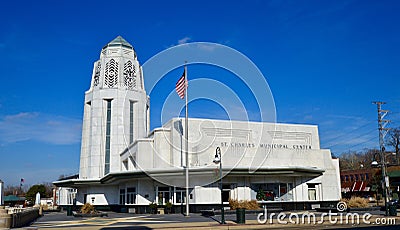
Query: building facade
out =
(124, 165)
(358, 182)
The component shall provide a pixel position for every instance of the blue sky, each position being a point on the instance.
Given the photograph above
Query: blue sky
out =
(325, 62)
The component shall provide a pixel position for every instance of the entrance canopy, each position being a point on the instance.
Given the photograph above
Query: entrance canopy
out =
(179, 174)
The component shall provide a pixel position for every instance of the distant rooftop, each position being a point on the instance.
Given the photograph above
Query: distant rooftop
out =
(118, 41)
(13, 198)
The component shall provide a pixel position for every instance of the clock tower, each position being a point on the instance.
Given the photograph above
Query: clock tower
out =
(116, 110)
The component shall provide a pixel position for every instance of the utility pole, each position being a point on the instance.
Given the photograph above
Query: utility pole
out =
(382, 133)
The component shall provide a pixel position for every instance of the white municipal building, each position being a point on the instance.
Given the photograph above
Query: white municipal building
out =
(125, 166)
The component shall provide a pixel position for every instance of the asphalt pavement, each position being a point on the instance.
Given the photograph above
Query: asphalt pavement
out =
(287, 220)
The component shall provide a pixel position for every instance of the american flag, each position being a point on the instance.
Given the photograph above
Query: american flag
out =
(181, 85)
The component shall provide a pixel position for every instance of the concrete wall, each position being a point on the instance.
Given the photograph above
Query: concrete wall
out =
(19, 219)
(244, 145)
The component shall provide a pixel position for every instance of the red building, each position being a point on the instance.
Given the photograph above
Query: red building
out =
(357, 182)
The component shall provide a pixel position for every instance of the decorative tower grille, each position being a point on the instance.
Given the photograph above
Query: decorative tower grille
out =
(97, 74)
(111, 74)
(129, 75)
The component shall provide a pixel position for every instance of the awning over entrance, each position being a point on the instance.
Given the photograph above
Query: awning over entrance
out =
(394, 173)
(180, 172)
(357, 186)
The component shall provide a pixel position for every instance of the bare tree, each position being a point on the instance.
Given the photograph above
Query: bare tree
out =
(368, 156)
(13, 190)
(393, 140)
(357, 160)
(350, 160)
(49, 189)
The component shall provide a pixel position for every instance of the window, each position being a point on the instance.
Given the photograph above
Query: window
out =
(356, 177)
(130, 122)
(131, 195)
(180, 196)
(133, 160)
(366, 176)
(312, 192)
(71, 194)
(108, 136)
(272, 191)
(346, 178)
(282, 189)
(351, 177)
(163, 195)
(147, 117)
(122, 196)
(125, 166)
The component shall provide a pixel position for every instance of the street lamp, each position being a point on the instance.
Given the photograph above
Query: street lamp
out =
(385, 180)
(374, 164)
(218, 160)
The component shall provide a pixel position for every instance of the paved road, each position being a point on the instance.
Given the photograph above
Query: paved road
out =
(115, 220)
(195, 221)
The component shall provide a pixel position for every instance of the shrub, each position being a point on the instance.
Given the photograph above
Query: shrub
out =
(261, 195)
(168, 205)
(153, 208)
(87, 209)
(153, 205)
(356, 202)
(246, 204)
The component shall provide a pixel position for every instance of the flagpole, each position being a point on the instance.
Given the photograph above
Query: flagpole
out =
(187, 143)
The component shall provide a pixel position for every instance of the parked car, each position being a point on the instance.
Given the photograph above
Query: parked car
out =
(395, 202)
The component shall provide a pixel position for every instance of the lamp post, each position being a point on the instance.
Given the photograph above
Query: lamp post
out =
(218, 160)
(384, 177)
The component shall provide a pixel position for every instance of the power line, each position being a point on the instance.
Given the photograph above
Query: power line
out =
(344, 143)
(381, 127)
(361, 143)
(347, 133)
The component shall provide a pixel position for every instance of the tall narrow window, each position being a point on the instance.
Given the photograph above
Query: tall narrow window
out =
(312, 192)
(122, 196)
(108, 132)
(130, 122)
(180, 196)
(147, 118)
(131, 195)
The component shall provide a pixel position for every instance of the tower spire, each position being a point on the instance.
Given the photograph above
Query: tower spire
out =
(118, 41)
